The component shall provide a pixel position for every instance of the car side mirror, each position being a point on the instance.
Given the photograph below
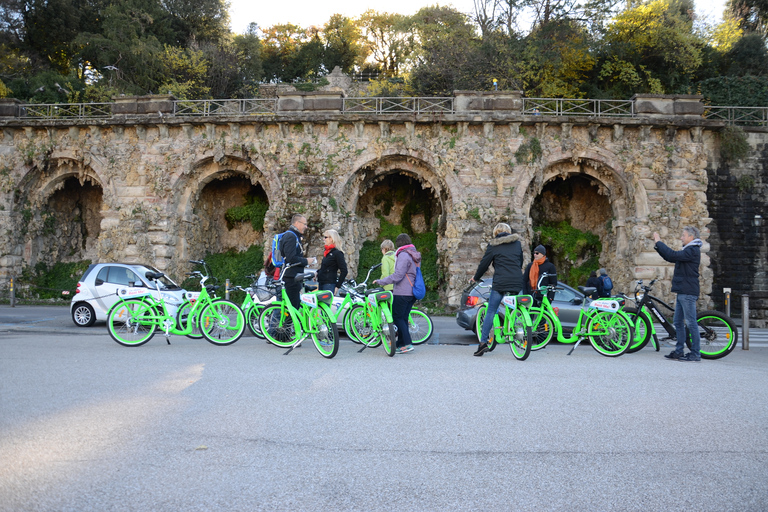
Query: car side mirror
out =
(98, 282)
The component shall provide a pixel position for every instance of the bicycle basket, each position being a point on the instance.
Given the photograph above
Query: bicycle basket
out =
(263, 293)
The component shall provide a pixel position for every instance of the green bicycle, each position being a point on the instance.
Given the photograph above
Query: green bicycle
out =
(371, 322)
(515, 326)
(287, 327)
(257, 297)
(607, 328)
(140, 312)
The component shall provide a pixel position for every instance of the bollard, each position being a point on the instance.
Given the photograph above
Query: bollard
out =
(13, 295)
(226, 290)
(745, 322)
(727, 293)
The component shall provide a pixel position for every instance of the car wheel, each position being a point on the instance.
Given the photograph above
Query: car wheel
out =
(83, 315)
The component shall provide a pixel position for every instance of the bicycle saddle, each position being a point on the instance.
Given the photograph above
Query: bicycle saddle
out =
(587, 290)
(154, 275)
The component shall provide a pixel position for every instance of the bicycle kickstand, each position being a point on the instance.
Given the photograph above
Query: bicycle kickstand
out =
(576, 345)
(364, 347)
(295, 345)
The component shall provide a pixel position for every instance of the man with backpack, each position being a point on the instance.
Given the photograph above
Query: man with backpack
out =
(293, 254)
(606, 285)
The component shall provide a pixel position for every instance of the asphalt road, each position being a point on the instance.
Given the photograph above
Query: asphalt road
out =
(86, 424)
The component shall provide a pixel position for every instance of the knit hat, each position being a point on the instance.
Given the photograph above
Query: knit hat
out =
(603, 272)
(541, 249)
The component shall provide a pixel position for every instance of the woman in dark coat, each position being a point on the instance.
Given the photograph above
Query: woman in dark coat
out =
(333, 269)
(505, 252)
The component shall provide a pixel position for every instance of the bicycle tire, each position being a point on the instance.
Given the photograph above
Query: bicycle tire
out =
(609, 333)
(327, 336)
(252, 320)
(718, 334)
(643, 330)
(279, 333)
(222, 322)
(361, 327)
(181, 321)
(479, 327)
(420, 326)
(522, 338)
(388, 338)
(125, 326)
(542, 328)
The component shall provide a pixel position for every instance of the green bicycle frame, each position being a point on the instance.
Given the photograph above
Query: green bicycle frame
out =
(375, 324)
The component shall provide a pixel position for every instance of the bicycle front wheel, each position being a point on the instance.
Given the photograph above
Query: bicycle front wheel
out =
(479, 327)
(361, 327)
(522, 335)
(543, 328)
(222, 322)
(388, 338)
(420, 327)
(181, 321)
(252, 319)
(277, 325)
(609, 333)
(718, 334)
(325, 334)
(131, 322)
(643, 329)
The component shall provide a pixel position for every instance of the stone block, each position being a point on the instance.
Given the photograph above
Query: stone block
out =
(291, 102)
(155, 104)
(10, 107)
(689, 105)
(648, 259)
(645, 272)
(125, 105)
(654, 104)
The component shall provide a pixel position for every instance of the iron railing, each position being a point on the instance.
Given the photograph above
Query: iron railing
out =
(399, 105)
(66, 110)
(743, 116)
(250, 107)
(578, 107)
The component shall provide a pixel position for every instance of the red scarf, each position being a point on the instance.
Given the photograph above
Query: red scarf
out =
(327, 250)
(534, 273)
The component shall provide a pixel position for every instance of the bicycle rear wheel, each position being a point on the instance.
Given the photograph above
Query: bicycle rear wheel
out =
(327, 336)
(522, 335)
(388, 338)
(277, 325)
(643, 329)
(222, 322)
(252, 319)
(718, 334)
(609, 333)
(420, 327)
(361, 327)
(479, 327)
(542, 327)
(131, 322)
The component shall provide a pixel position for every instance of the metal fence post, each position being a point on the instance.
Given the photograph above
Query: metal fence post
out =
(13, 294)
(745, 322)
(727, 292)
(226, 290)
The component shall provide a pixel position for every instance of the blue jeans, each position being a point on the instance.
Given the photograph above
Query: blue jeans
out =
(685, 316)
(401, 310)
(328, 287)
(493, 306)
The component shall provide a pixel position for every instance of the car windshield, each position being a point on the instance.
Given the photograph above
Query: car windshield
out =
(165, 282)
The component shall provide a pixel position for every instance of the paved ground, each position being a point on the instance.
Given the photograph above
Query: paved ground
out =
(86, 424)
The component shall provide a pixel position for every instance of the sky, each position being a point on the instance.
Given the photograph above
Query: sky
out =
(306, 13)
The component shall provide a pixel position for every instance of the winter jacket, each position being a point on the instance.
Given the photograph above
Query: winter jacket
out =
(685, 280)
(333, 269)
(293, 252)
(595, 282)
(506, 254)
(545, 268)
(388, 267)
(406, 260)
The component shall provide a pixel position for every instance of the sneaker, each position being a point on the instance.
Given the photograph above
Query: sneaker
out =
(481, 349)
(407, 348)
(674, 355)
(690, 358)
(400, 350)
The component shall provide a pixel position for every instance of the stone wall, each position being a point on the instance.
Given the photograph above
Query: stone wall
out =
(484, 163)
(737, 198)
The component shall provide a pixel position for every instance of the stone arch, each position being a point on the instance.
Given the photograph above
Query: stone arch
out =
(189, 188)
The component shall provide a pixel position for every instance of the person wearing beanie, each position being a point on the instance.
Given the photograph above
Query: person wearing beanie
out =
(505, 252)
(538, 267)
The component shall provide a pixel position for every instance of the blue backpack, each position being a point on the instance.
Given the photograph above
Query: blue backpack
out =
(278, 258)
(419, 288)
(607, 284)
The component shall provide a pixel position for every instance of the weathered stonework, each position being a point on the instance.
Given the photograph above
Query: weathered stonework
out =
(311, 158)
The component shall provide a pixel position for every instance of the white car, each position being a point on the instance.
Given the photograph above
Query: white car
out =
(97, 290)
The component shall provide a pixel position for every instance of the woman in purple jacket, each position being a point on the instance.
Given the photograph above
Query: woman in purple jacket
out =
(407, 258)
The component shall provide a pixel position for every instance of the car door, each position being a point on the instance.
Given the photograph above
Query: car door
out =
(108, 280)
(568, 303)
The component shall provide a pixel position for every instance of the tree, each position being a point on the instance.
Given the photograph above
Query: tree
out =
(248, 51)
(752, 15)
(203, 21)
(344, 44)
(389, 40)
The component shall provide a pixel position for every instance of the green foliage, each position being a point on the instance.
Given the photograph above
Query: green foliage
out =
(232, 265)
(733, 144)
(253, 211)
(474, 213)
(741, 91)
(48, 282)
(745, 183)
(529, 151)
(575, 253)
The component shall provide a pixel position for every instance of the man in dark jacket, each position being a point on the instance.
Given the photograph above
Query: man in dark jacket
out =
(685, 282)
(293, 252)
(533, 272)
(506, 254)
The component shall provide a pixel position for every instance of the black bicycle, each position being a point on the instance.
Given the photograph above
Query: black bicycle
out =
(717, 330)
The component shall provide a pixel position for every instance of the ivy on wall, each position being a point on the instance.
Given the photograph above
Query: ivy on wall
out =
(574, 252)
(253, 211)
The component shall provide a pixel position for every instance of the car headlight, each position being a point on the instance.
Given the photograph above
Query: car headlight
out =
(171, 299)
